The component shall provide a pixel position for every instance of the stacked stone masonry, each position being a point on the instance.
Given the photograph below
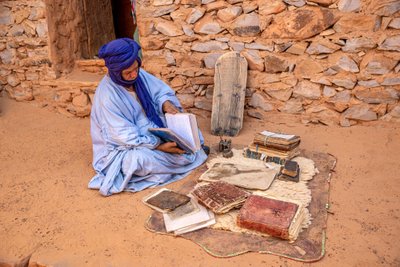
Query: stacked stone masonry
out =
(332, 61)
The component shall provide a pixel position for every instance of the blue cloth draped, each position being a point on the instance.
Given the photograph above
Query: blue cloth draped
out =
(119, 55)
(124, 154)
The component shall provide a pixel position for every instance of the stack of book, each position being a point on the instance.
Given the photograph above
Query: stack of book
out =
(290, 171)
(181, 213)
(275, 147)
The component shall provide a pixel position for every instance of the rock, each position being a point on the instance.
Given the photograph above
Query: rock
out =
(279, 48)
(321, 79)
(323, 115)
(203, 103)
(259, 101)
(246, 25)
(271, 7)
(63, 97)
(275, 64)
(146, 27)
(232, 2)
(292, 106)
(397, 68)
(37, 13)
(391, 43)
(391, 80)
(249, 6)
(151, 43)
(296, 3)
(360, 113)
(395, 112)
(177, 82)
(31, 76)
(279, 91)
(395, 24)
(8, 56)
(236, 46)
(21, 93)
(191, 2)
(377, 64)
(229, 13)
(186, 100)
(209, 46)
(345, 80)
(188, 30)
(322, 46)
(308, 68)
(355, 22)
(259, 46)
(205, 2)
(341, 101)
(255, 114)
(13, 80)
(376, 95)
(300, 24)
(307, 89)
(347, 64)
(206, 80)
(16, 30)
(328, 91)
(323, 2)
(289, 80)
(369, 83)
(169, 58)
(384, 7)
(6, 17)
(380, 109)
(214, 6)
(354, 45)
(298, 48)
(157, 11)
(208, 25)
(211, 59)
(162, 2)
(349, 5)
(169, 28)
(195, 15)
(81, 100)
(254, 60)
(41, 29)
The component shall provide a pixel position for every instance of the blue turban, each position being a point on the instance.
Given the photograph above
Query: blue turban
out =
(119, 55)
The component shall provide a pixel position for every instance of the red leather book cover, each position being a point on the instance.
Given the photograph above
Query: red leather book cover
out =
(267, 215)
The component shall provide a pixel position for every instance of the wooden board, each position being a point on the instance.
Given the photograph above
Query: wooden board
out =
(229, 94)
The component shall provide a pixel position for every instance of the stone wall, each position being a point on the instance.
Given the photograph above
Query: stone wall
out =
(24, 50)
(334, 62)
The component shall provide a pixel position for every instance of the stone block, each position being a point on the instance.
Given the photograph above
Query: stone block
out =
(307, 89)
(246, 25)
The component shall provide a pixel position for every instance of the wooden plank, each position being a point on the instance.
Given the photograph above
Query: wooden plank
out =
(229, 94)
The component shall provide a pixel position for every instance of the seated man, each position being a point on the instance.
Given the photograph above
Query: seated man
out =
(127, 102)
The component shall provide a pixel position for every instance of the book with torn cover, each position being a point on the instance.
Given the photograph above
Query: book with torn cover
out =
(181, 128)
(271, 216)
(188, 218)
(220, 196)
(274, 152)
(250, 177)
(165, 200)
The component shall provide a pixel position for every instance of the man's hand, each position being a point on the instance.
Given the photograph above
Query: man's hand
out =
(168, 107)
(170, 147)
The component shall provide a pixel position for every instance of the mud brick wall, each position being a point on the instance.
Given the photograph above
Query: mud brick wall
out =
(24, 50)
(334, 62)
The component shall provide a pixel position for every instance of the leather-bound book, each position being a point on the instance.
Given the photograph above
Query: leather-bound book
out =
(291, 168)
(269, 216)
(220, 197)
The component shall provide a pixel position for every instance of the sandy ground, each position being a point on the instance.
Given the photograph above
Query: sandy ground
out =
(46, 208)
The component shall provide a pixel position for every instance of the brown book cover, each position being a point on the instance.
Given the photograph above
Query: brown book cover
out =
(220, 197)
(267, 215)
(291, 168)
(166, 200)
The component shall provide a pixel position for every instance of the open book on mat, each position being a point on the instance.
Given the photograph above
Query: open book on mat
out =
(181, 128)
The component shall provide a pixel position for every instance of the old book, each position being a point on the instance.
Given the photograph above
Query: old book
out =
(165, 200)
(276, 146)
(274, 152)
(250, 177)
(285, 177)
(181, 128)
(220, 196)
(267, 137)
(271, 216)
(291, 168)
(188, 218)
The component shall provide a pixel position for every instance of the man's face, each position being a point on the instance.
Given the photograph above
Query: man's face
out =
(131, 73)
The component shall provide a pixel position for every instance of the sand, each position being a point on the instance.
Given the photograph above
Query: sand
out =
(46, 208)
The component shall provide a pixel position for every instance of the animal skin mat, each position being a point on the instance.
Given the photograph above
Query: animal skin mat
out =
(310, 244)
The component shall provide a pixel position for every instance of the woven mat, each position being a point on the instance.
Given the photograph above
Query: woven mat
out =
(309, 246)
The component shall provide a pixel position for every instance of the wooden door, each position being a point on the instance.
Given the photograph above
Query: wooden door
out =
(98, 19)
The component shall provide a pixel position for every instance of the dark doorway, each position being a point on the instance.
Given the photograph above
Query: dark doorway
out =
(123, 20)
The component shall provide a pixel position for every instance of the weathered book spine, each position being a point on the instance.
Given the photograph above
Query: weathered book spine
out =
(260, 227)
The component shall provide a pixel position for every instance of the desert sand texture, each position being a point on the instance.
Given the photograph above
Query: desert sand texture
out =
(46, 209)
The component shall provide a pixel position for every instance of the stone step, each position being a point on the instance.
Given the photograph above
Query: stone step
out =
(91, 65)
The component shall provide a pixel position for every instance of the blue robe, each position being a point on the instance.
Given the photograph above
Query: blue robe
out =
(124, 154)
